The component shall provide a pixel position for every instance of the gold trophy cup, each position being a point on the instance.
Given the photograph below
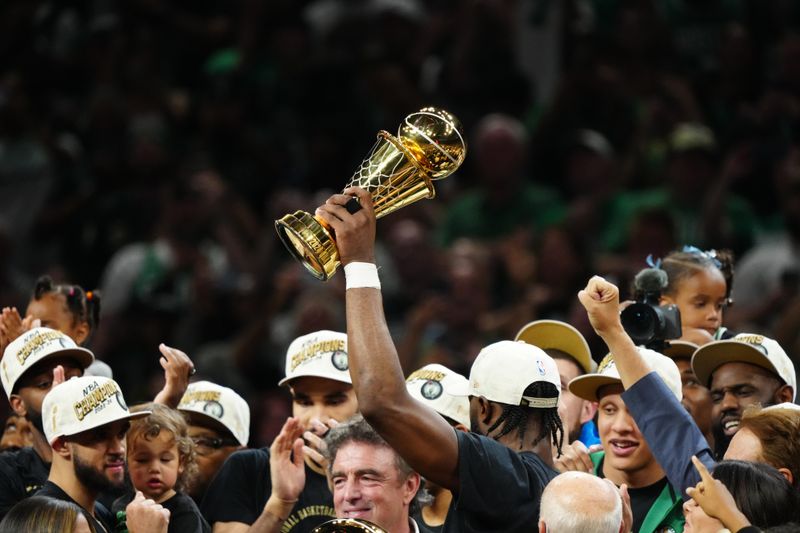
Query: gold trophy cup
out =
(348, 525)
(397, 172)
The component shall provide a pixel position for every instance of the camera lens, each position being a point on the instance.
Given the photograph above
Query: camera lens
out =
(640, 322)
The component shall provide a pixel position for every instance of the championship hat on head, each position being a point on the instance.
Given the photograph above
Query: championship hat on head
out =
(33, 346)
(557, 335)
(434, 384)
(680, 349)
(586, 387)
(322, 354)
(220, 405)
(503, 370)
(81, 404)
(744, 348)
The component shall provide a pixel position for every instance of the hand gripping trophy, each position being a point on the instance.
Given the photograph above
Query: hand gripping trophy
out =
(397, 172)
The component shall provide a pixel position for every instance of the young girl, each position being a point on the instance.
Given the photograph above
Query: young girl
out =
(700, 285)
(161, 463)
(66, 308)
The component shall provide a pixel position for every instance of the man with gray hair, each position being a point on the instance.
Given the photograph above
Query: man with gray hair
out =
(577, 502)
(370, 481)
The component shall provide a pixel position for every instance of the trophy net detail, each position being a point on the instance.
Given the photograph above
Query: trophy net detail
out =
(392, 176)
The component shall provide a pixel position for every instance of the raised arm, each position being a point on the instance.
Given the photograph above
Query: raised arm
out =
(601, 300)
(667, 427)
(417, 433)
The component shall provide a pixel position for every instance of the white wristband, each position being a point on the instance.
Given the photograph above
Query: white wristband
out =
(361, 275)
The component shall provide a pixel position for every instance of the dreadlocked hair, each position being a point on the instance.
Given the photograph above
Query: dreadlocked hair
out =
(517, 417)
(680, 265)
(83, 305)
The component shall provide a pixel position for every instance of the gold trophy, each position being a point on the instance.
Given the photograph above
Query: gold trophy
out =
(348, 525)
(397, 172)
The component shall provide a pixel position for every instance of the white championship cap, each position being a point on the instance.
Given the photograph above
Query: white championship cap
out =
(219, 404)
(81, 404)
(744, 348)
(33, 346)
(434, 384)
(586, 386)
(503, 370)
(322, 354)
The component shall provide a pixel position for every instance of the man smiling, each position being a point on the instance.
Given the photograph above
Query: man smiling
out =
(743, 371)
(370, 481)
(626, 457)
(85, 422)
(241, 498)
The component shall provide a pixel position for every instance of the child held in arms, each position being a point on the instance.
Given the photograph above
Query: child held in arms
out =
(161, 463)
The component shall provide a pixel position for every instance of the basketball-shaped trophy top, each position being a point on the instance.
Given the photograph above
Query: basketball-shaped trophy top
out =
(436, 140)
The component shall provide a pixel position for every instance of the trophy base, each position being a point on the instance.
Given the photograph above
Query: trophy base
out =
(310, 243)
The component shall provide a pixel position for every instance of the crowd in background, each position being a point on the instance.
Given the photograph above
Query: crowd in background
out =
(147, 146)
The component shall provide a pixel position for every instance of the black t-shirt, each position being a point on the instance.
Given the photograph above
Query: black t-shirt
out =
(22, 473)
(642, 499)
(184, 516)
(423, 527)
(499, 490)
(242, 487)
(102, 520)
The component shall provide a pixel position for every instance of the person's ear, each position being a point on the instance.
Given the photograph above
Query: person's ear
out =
(784, 394)
(81, 332)
(542, 527)
(485, 410)
(588, 410)
(411, 486)
(61, 448)
(18, 405)
(785, 472)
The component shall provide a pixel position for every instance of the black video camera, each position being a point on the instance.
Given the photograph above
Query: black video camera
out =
(648, 323)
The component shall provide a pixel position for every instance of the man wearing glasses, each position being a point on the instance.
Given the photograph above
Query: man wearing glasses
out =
(219, 424)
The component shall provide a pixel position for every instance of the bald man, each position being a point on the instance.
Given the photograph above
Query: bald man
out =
(576, 502)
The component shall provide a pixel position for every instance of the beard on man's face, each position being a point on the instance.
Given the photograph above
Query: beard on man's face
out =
(94, 480)
(721, 441)
(35, 418)
(474, 426)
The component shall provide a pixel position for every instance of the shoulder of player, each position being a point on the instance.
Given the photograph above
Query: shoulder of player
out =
(474, 443)
(251, 457)
(23, 459)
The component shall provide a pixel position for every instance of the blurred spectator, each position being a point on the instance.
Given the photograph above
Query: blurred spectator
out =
(505, 198)
(695, 195)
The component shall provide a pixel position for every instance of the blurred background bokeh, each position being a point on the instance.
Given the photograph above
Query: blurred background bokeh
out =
(147, 146)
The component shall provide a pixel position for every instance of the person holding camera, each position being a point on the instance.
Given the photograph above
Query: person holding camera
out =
(742, 371)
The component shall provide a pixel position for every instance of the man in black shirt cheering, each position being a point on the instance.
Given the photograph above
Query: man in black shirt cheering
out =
(238, 500)
(497, 474)
(85, 422)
